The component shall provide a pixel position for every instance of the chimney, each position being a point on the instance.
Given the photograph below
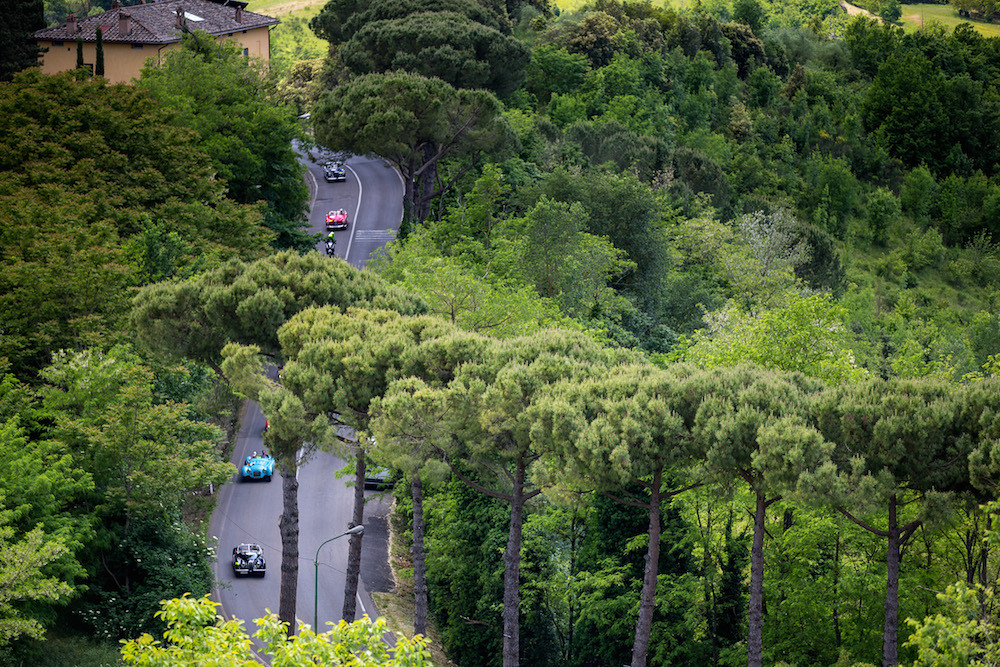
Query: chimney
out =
(239, 14)
(115, 4)
(71, 23)
(124, 23)
(180, 16)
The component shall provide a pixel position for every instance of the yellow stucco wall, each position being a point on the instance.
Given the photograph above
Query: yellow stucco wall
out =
(122, 62)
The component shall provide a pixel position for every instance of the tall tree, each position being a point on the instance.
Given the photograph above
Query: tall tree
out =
(99, 52)
(445, 45)
(341, 363)
(629, 426)
(904, 455)
(465, 43)
(295, 433)
(413, 122)
(752, 425)
(488, 428)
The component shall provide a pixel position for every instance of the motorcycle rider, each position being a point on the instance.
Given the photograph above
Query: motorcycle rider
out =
(331, 244)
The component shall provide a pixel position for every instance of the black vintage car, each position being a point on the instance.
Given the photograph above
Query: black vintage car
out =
(334, 172)
(249, 559)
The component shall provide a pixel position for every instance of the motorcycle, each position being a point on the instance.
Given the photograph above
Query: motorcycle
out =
(330, 248)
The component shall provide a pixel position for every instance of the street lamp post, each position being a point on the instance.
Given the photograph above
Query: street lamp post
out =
(357, 530)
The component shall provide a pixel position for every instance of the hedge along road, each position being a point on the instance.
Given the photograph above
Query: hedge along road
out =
(249, 511)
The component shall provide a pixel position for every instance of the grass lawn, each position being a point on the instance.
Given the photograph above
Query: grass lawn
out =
(916, 15)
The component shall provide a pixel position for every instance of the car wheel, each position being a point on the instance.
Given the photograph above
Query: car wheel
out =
(268, 478)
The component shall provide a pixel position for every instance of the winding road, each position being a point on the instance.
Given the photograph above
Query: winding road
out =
(249, 511)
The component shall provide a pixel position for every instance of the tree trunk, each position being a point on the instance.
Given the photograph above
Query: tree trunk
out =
(289, 528)
(419, 572)
(512, 574)
(354, 550)
(408, 190)
(755, 638)
(891, 628)
(571, 614)
(644, 624)
(836, 592)
(427, 180)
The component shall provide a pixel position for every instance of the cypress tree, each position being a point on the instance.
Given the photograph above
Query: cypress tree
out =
(99, 66)
(79, 52)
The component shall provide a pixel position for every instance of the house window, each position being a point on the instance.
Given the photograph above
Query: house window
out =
(246, 52)
(57, 43)
(137, 46)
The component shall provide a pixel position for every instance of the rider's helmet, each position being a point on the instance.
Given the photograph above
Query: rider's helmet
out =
(331, 237)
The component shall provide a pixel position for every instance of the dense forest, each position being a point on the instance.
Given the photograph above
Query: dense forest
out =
(686, 353)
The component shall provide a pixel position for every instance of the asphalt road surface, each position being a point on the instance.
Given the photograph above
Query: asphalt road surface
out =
(373, 198)
(249, 511)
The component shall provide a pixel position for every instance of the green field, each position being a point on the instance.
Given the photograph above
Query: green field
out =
(572, 5)
(292, 40)
(923, 14)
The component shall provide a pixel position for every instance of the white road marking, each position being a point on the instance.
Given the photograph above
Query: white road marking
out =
(354, 227)
(376, 234)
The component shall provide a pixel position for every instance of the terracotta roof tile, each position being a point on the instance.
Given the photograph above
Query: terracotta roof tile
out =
(156, 22)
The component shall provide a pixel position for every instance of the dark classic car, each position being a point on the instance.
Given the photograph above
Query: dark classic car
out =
(249, 559)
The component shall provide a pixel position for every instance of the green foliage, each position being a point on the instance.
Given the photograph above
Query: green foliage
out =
(231, 104)
(465, 537)
(550, 251)
(884, 211)
(957, 635)
(106, 165)
(17, 50)
(398, 115)
(46, 490)
(807, 335)
(248, 303)
(890, 11)
(464, 43)
(458, 293)
(196, 634)
(148, 562)
(445, 45)
(293, 42)
(22, 562)
(553, 69)
(143, 455)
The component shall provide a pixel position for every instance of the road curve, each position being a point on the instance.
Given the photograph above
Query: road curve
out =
(249, 511)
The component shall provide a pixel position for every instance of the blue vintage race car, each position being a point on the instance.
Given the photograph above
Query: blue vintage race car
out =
(258, 466)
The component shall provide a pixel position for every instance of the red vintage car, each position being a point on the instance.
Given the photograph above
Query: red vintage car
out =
(336, 219)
